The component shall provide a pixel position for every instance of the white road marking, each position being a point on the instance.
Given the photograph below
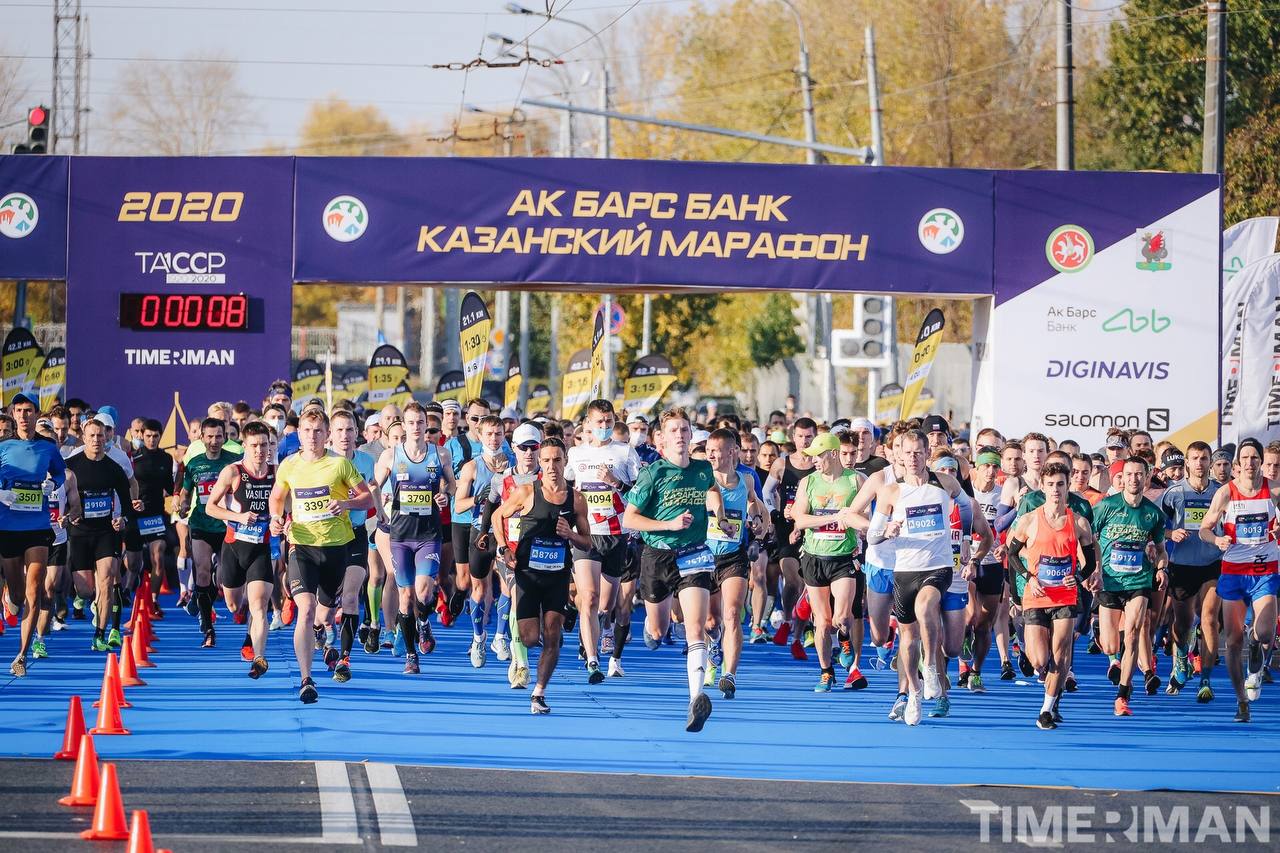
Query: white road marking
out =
(395, 821)
(337, 805)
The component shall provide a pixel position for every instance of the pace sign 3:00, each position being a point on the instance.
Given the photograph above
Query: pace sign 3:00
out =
(195, 206)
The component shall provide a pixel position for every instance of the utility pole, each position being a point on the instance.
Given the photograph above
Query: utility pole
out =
(1215, 88)
(524, 349)
(427, 337)
(646, 340)
(553, 369)
(452, 346)
(70, 69)
(1066, 96)
(877, 377)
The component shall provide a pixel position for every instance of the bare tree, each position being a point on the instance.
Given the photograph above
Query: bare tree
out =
(192, 107)
(13, 93)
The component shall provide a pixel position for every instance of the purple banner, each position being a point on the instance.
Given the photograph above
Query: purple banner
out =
(178, 281)
(33, 217)
(634, 222)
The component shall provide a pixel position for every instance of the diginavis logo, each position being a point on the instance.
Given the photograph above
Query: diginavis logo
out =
(1057, 369)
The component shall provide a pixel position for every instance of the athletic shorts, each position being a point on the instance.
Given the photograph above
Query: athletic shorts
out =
(907, 585)
(481, 560)
(213, 540)
(415, 558)
(460, 536)
(318, 570)
(242, 562)
(822, 571)
(631, 560)
(358, 553)
(1185, 581)
(732, 565)
(880, 580)
(783, 548)
(954, 601)
(1247, 587)
(134, 534)
(132, 539)
(990, 580)
(541, 592)
(609, 551)
(85, 551)
(58, 554)
(1120, 598)
(660, 579)
(14, 543)
(1044, 617)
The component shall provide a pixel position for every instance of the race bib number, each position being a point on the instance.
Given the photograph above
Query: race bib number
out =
(254, 533)
(311, 504)
(925, 520)
(1251, 529)
(1053, 571)
(96, 504)
(204, 487)
(599, 498)
(150, 525)
(27, 497)
(695, 559)
(416, 500)
(547, 554)
(1126, 557)
(734, 518)
(828, 532)
(1195, 513)
(513, 529)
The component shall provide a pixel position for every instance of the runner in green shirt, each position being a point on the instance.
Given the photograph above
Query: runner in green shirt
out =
(207, 534)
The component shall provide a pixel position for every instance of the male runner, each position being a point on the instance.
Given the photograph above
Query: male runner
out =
(153, 470)
(669, 506)
(462, 449)
(989, 584)
(31, 468)
(1246, 506)
(601, 470)
(207, 534)
(780, 491)
(474, 481)
(239, 499)
(552, 517)
(1126, 524)
(1194, 567)
(318, 488)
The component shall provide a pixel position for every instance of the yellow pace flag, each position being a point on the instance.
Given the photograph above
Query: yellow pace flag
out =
(650, 377)
(387, 369)
(928, 342)
(52, 378)
(889, 404)
(451, 386)
(20, 349)
(511, 392)
(307, 378)
(597, 357)
(575, 386)
(473, 331)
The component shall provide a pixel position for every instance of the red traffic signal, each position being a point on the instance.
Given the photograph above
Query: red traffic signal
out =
(38, 116)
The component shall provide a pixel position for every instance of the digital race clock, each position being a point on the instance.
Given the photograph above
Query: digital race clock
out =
(182, 312)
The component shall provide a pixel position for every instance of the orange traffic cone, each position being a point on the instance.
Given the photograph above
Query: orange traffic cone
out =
(84, 787)
(73, 732)
(143, 628)
(139, 651)
(109, 721)
(108, 814)
(111, 680)
(140, 833)
(128, 667)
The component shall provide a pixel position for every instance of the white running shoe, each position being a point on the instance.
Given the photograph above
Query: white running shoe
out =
(615, 668)
(477, 651)
(606, 643)
(276, 624)
(912, 715)
(58, 625)
(500, 647)
(1253, 685)
(899, 708)
(930, 683)
(522, 678)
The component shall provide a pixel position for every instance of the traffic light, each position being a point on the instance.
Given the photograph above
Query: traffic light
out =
(38, 125)
(867, 343)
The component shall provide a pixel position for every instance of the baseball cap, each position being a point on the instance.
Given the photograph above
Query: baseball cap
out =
(637, 418)
(510, 414)
(105, 419)
(1172, 458)
(862, 423)
(778, 436)
(936, 423)
(700, 436)
(1116, 468)
(526, 434)
(1115, 441)
(373, 420)
(822, 444)
(450, 406)
(110, 410)
(23, 398)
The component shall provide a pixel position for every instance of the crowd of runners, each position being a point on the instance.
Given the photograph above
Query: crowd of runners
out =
(909, 552)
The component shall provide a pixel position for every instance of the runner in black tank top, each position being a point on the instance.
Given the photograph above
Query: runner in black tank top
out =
(553, 517)
(786, 477)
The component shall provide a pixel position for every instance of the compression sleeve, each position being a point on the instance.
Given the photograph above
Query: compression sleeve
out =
(1016, 564)
(1005, 517)
(966, 512)
(875, 534)
(770, 492)
(1090, 561)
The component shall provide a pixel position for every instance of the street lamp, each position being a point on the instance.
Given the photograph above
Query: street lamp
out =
(505, 43)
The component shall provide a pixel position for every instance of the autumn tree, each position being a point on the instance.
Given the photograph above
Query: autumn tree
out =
(191, 107)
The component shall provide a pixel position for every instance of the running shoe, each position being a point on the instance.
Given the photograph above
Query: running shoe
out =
(1045, 721)
(1253, 686)
(288, 610)
(362, 633)
(1122, 708)
(728, 685)
(397, 643)
(1057, 715)
(929, 683)
(156, 613)
(1205, 693)
(1113, 672)
(500, 647)
(798, 652)
(1177, 680)
(966, 648)
(331, 657)
(582, 651)
(1267, 678)
(38, 650)
(615, 668)
(58, 624)
(669, 638)
(899, 707)
(410, 665)
(1024, 664)
(342, 672)
(522, 678)
(715, 653)
(809, 638)
(846, 654)
(210, 639)
(246, 649)
(371, 638)
(759, 635)
(240, 617)
(594, 675)
(699, 711)
(709, 678)
(941, 708)
(457, 601)
(307, 694)
(1152, 682)
(77, 607)
(1195, 664)
(477, 652)
(18, 668)
(426, 639)
(1071, 685)
(99, 644)
(855, 680)
(321, 636)
(1006, 671)
(115, 640)
(911, 716)
(190, 605)
(651, 643)
(538, 705)
(1255, 654)
(883, 659)
(277, 623)
(975, 683)
(825, 683)
(783, 633)
(963, 679)
(258, 668)
(606, 644)
(1242, 712)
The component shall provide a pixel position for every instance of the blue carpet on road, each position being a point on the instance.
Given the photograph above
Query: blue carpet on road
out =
(199, 704)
